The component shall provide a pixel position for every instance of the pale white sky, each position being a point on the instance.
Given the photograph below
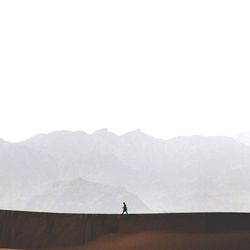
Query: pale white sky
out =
(167, 67)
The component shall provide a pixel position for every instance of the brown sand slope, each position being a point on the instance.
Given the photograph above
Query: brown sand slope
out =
(28, 230)
(171, 241)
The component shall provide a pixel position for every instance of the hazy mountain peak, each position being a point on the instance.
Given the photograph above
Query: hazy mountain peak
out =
(104, 131)
(37, 137)
(78, 181)
(79, 195)
(67, 133)
(140, 136)
(138, 132)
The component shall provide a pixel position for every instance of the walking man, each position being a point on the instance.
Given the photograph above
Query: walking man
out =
(125, 209)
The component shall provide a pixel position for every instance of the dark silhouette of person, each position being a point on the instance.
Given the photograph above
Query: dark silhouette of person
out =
(125, 209)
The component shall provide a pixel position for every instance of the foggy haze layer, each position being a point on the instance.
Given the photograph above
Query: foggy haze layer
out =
(68, 171)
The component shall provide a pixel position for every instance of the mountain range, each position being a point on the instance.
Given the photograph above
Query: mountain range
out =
(66, 171)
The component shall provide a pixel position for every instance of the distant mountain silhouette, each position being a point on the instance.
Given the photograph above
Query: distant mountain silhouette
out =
(79, 195)
(193, 173)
